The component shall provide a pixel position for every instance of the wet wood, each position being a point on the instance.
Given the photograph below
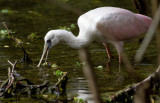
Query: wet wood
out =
(140, 92)
(16, 84)
(25, 55)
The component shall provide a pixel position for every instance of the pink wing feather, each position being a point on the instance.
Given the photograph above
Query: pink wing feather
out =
(123, 25)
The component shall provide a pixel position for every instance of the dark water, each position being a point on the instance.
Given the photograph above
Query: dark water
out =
(39, 16)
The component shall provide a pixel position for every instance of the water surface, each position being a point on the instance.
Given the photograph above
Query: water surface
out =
(39, 16)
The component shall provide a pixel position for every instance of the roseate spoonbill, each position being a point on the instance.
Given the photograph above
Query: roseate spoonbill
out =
(105, 24)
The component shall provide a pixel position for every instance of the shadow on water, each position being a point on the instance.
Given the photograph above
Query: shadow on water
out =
(36, 16)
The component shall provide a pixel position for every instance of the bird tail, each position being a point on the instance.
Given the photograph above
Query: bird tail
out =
(146, 19)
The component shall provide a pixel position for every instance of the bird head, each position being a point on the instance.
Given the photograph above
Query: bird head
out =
(50, 40)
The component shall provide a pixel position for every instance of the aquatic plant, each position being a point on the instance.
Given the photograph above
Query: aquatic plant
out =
(18, 85)
(79, 65)
(6, 46)
(4, 34)
(79, 100)
(100, 67)
(6, 11)
(58, 73)
(48, 64)
(33, 36)
(45, 64)
(54, 66)
(72, 26)
(25, 57)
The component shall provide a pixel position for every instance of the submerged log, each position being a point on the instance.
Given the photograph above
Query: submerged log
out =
(16, 84)
(140, 92)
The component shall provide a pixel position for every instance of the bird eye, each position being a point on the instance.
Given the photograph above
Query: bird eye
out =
(49, 41)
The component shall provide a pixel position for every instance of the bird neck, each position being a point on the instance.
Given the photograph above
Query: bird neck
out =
(73, 41)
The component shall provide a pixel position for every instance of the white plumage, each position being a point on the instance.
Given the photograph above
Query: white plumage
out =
(104, 24)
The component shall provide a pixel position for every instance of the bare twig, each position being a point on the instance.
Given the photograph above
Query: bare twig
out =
(9, 82)
(13, 65)
(148, 37)
(61, 78)
(10, 74)
(19, 43)
(25, 56)
(87, 70)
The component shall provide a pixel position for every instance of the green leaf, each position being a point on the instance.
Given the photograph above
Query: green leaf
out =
(73, 26)
(6, 11)
(45, 64)
(58, 73)
(33, 36)
(4, 34)
(76, 99)
(54, 65)
(99, 67)
(79, 100)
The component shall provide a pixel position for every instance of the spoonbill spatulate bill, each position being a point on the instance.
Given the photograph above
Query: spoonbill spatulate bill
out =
(105, 24)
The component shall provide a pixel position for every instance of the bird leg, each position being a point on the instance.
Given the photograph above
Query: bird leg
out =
(120, 62)
(119, 47)
(120, 59)
(108, 51)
